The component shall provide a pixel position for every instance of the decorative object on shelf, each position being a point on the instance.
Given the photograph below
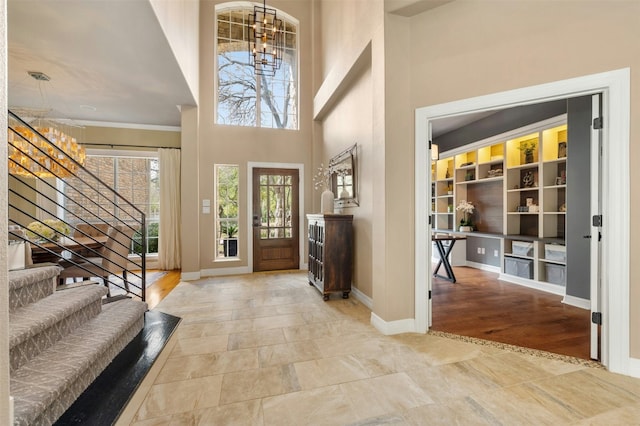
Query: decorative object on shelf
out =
(48, 229)
(322, 181)
(527, 179)
(450, 208)
(558, 180)
(528, 148)
(469, 176)
(449, 189)
(266, 40)
(563, 208)
(494, 173)
(435, 152)
(470, 163)
(467, 208)
(562, 149)
(446, 174)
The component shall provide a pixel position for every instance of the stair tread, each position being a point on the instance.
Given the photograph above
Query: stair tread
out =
(23, 277)
(28, 321)
(36, 384)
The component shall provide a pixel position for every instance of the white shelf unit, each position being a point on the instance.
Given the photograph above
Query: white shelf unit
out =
(533, 191)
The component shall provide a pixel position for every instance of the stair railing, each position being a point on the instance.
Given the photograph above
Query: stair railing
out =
(74, 200)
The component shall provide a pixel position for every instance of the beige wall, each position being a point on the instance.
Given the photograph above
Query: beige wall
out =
(125, 136)
(239, 145)
(179, 20)
(466, 49)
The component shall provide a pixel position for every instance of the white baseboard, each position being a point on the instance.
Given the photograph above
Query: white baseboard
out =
(634, 367)
(217, 272)
(363, 298)
(484, 267)
(578, 302)
(393, 327)
(189, 276)
(537, 285)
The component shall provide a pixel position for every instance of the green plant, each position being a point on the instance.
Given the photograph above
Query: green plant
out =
(528, 147)
(230, 229)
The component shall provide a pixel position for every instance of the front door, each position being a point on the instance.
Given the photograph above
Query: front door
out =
(275, 219)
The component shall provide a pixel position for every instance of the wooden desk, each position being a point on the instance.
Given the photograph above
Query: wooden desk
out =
(50, 252)
(444, 252)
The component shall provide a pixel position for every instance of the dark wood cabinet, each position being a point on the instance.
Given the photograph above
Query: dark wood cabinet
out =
(330, 253)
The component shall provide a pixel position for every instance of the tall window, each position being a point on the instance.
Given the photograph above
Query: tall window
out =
(247, 99)
(227, 225)
(136, 179)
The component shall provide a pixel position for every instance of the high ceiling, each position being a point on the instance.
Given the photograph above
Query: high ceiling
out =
(108, 61)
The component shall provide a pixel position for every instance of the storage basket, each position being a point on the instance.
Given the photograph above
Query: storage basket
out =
(555, 252)
(522, 268)
(522, 248)
(555, 274)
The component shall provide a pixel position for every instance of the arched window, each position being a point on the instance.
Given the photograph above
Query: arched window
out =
(243, 97)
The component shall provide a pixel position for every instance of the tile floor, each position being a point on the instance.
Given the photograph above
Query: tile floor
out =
(265, 349)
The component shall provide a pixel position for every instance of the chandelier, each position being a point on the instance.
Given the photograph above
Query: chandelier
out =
(59, 155)
(42, 148)
(266, 40)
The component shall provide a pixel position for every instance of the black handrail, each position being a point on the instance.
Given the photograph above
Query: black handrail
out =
(124, 216)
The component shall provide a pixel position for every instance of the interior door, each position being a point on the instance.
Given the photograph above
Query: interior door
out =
(275, 219)
(596, 211)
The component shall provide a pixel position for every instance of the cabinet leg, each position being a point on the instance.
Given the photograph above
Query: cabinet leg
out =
(325, 297)
(310, 283)
(345, 295)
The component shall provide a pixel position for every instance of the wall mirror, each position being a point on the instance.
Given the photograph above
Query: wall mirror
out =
(344, 182)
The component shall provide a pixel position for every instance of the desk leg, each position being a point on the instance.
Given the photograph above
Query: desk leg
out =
(444, 260)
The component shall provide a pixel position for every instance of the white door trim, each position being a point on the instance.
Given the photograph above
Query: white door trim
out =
(615, 86)
(301, 220)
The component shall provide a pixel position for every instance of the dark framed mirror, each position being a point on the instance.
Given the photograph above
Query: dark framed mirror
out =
(344, 181)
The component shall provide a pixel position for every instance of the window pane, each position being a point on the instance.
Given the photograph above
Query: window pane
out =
(227, 224)
(133, 178)
(238, 85)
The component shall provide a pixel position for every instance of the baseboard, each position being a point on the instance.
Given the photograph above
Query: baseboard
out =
(363, 298)
(217, 272)
(189, 276)
(484, 267)
(537, 285)
(393, 327)
(634, 367)
(578, 302)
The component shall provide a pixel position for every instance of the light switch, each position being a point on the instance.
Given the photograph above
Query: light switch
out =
(206, 203)
(206, 210)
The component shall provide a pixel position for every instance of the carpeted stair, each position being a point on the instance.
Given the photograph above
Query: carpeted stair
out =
(61, 339)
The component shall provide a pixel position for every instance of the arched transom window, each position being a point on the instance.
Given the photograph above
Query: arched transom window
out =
(243, 97)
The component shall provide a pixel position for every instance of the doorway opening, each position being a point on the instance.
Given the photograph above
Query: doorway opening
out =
(615, 183)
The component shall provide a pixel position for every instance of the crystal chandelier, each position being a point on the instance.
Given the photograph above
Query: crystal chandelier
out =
(42, 148)
(266, 40)
(30, 154)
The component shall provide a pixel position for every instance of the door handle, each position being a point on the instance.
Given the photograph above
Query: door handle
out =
(256, 220)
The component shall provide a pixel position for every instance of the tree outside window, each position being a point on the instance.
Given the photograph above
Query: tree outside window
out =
(247, 99)
(227, 188)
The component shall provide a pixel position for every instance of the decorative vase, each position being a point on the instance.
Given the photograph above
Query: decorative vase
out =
(528, 157)
(466, 229)
(326, 202)
(345, 194)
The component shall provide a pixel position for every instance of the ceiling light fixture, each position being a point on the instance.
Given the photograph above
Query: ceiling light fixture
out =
(266, 40)
(44, 148)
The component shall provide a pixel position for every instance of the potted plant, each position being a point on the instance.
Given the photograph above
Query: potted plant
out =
(466, 225)
(528, 148)
(230, 242)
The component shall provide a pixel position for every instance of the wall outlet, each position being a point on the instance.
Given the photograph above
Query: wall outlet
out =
(495, 253)
(479, 250)
(482, 250)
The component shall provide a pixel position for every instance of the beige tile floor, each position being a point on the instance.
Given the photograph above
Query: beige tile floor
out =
(265, 349)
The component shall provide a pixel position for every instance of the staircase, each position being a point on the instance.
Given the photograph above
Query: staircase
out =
(63, 336)
(61, 339)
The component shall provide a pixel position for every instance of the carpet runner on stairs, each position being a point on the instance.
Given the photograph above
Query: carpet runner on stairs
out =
(61, 340)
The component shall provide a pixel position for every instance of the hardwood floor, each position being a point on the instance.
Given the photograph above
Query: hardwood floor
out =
(479, 305)
(158, 289)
